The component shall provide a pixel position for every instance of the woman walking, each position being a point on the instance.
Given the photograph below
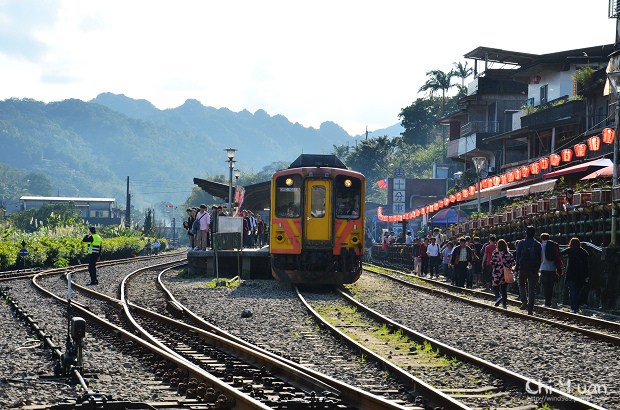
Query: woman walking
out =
(500, 258)
(577, 273)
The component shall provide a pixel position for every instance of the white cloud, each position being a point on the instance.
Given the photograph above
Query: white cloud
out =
(353, 62)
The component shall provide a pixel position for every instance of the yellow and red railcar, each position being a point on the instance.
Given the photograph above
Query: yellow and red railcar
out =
(317, 221)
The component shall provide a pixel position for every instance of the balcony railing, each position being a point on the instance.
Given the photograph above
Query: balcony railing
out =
(488, 127)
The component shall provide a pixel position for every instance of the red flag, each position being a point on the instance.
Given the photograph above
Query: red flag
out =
(382, 183)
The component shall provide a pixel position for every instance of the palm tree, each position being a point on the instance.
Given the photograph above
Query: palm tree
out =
(439, 80)
(461, 71)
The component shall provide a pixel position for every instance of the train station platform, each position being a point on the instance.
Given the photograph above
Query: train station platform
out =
(249, 263)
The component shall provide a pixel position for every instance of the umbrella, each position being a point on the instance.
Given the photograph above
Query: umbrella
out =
(447, 217)
(606, 172)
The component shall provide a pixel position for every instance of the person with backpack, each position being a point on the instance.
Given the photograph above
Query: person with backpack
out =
(577, 273)
(550, 264)
(528, 264)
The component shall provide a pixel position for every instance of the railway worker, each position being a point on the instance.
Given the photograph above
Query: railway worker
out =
(460, 261)
(432, 250)
(551, 266)
(528, 265)
(94, 251)
(577, 273)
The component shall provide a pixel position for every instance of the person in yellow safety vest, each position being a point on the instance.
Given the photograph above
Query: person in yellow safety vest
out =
(94, 251)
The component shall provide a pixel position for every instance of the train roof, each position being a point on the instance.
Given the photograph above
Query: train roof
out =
(317, 160)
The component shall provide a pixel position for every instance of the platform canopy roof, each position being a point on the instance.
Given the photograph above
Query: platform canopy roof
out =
(257, 196)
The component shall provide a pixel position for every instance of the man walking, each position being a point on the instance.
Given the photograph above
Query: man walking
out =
(528, 263)
(461, 261)
(94, 251)
(550, 264)
(432, 251)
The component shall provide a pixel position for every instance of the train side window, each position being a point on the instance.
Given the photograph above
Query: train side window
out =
(288, 196)
(348, 197)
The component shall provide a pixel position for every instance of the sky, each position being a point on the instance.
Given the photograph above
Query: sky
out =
(356, 63)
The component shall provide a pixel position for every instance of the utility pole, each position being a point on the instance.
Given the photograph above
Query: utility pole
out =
(128, 207)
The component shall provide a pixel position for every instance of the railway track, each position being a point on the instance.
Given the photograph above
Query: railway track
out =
(492, 386)
(210, 369)
(594, 327)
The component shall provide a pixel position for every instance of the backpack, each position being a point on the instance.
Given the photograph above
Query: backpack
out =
(528, 261)
(196, 225)
(550, 253)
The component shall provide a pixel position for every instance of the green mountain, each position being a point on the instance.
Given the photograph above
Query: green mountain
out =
(89, 148)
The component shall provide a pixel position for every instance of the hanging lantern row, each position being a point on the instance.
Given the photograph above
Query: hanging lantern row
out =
(554, 160)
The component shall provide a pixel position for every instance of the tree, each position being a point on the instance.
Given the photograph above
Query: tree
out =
(439, 80)
(419, 121)
(148, 228)
(461, 71)
(39, 184)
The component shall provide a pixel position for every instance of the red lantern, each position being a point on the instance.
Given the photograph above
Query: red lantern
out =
(510, 177)
(472, 190)
(503, 179)
(483, 183)
(440, 204)
(567, 155)
(608, 135)
(580, 150)
(459, 197)
(594, 143)
(429, 209)
(517, 173)
(446, 201)
(423, 211)
(436, 207)
(544, 163)
(496, 180)
(417, 213)
(465, 193)
(554, 160)
(525, 171)
(535, 168)
(452, 198)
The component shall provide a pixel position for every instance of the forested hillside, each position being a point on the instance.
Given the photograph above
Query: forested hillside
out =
(89, 149)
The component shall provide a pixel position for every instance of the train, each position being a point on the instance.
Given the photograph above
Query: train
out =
(317, 222)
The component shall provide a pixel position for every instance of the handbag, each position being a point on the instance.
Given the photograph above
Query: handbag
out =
(508, 276)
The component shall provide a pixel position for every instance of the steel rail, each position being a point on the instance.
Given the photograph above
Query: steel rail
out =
(476, 293)
(467, 357)
(241, 402)
(348, 393)
(438, 397)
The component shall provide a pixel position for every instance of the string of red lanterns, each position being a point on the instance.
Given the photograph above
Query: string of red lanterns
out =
(554, 160)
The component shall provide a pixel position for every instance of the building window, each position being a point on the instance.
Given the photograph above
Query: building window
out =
(544, 93)
(99, 214)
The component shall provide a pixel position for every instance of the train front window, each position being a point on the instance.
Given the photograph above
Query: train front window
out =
(288, 196)
(348, 197)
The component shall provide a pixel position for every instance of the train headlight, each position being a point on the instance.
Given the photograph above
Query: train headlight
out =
(347, 183)
(289, 181)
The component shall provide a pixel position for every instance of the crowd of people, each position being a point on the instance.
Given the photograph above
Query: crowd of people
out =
(494, 265)
(200, 227)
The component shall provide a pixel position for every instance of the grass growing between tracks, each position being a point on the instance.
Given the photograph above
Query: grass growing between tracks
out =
(379, 338)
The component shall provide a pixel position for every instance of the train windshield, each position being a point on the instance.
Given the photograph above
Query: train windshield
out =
(348, 196)
(288, 196)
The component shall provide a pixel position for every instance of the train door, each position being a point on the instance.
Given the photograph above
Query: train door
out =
(318, 221)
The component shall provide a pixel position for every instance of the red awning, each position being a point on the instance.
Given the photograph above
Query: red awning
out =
(606, 172)
(584, 167)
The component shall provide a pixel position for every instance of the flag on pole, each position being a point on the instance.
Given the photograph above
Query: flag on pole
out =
(383, 183)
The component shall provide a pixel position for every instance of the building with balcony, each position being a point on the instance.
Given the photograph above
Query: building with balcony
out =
(486, 111)
(559, 109)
